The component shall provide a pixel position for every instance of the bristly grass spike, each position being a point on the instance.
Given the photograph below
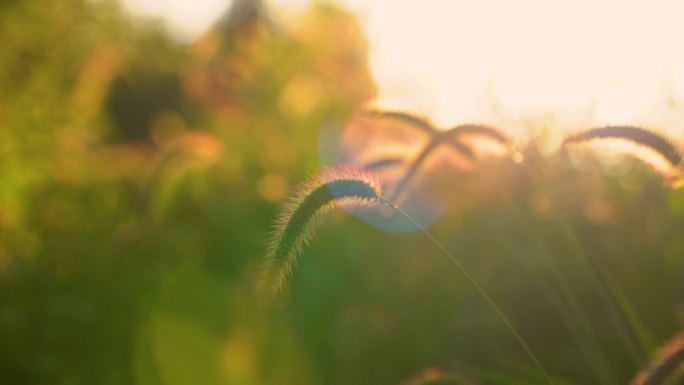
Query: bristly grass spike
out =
(667, 359)
(332, 188)
(666, 149)
(302, 214)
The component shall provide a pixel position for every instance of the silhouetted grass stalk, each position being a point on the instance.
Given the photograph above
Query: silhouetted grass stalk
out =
(656, 142)
(618, 309)
(303, 213)
(437, 376)
(479, 289)
(668, 358)
(669, 152)
(452, 138)
(305, 210)
(557, 291)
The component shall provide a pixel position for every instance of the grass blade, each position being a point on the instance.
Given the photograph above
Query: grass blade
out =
(668, 358)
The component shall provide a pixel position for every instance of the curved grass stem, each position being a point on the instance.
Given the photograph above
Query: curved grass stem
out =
(497, 310)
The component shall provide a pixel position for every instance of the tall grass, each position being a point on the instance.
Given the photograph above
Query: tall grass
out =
(438, 376)
(304, 212)
(452, 137)
(307, 208)
(659, 152)
(667, 359)
(336, 187)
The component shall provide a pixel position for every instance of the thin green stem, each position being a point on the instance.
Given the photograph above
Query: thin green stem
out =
(590, 344)
(558, 296)
(612, 297)
(412, 170)
(497, 310)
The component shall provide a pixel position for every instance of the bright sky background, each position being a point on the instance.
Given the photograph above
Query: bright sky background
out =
(567, 64)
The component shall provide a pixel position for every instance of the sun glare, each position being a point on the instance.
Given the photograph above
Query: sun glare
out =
(596, 61)
(565, 65)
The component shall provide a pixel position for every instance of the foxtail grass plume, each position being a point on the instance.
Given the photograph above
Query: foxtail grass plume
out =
(662, 154)
(484, 131)
(437, 376)
(453, 138)
(336, 187)
(297, 223)
(458, 136)
(410, 119)
(669, 357)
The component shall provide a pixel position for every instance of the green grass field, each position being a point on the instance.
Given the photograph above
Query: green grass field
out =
(140, 177)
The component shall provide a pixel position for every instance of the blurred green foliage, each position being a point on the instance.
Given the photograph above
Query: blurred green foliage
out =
(140, 177)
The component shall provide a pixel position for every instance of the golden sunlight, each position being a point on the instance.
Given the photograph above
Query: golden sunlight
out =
(582, 63)
(523, 64)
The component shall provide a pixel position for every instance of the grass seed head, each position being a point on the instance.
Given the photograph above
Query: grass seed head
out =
(482, 130)
(410, 119)
(304, 212)
(668, 358)
(661, 153)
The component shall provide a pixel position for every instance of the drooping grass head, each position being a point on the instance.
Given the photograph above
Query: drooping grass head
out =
(667, 359)
(436, 376)
(661, 154)
(302, 214)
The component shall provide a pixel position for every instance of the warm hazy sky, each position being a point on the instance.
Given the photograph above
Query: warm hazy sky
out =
(564, 63)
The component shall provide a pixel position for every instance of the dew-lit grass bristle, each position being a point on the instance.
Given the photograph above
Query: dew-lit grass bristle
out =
(669, 357)
(640, 136)
(302, 214)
